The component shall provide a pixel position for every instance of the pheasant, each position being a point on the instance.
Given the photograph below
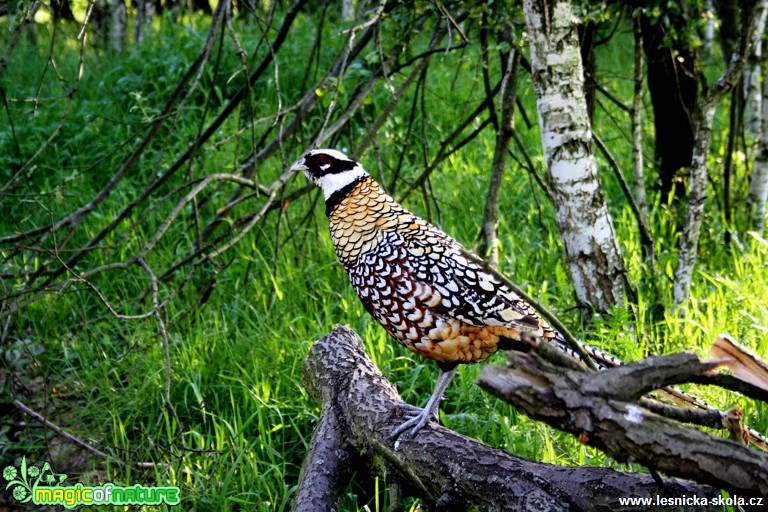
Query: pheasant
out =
(416, 282)
(413, 279)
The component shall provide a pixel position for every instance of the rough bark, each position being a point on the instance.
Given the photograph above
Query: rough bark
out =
(604, 411)
(756, 114)
(697, 196)
(702, 121)
(326, 467)
(753, 73)
(447, 470)
(637, 127)
(758, 185)
(595, 262)
(646, 237)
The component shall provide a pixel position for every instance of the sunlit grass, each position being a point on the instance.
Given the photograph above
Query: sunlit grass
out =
(236, 361)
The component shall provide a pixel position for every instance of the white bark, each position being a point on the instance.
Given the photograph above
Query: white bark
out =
(753, 72)
(595, 262)
(145, 11)
(119, 20)
(756, 114)
(348, 8)
(709, 29)
(637, 127)
(758, 185)
(752, 119)
(702, 133)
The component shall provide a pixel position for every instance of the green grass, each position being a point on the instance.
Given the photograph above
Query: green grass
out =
(236, 361)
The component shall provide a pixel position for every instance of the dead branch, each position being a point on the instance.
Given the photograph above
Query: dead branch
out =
(85, 446)
(446, 147)
(328, 470)
(646, 237)
(490, 241)
(743, 362)
(77, 248)
(17, 31)
(603, 411)
(445, 469)
(732, 383)
(60, 431)
(55, 258)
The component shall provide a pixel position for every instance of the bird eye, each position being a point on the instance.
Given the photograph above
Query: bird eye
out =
(322, 160)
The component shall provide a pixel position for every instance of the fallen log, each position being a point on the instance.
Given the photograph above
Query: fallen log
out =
(446, 470)
(607, 410)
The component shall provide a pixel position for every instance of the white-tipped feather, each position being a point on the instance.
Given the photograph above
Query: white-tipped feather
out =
(421, 298)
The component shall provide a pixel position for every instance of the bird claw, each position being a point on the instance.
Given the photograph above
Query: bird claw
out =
(417, 418)
(408, 409)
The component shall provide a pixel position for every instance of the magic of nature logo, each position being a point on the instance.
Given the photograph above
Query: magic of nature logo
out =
(41, 485)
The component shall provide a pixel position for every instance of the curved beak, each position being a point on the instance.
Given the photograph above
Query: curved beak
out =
(299, 165)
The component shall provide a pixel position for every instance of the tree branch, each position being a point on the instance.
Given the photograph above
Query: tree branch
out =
(601, 409)
(442, 467)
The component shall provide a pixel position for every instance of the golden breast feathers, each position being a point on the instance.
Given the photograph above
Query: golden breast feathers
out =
(413, 279)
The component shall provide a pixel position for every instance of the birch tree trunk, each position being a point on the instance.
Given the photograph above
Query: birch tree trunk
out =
(637, 126)
(702, 133)
(145, 11)
(594, 260)
(709, 29)
(756, 115)
(119, 21)
(753, 74)
(758, 185)
(686, 261)
(348, 8)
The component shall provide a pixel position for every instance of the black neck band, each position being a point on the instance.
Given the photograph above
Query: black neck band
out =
(340, 194)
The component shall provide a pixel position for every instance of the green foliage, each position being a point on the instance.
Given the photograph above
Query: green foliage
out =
(236, 360)
(684, 22)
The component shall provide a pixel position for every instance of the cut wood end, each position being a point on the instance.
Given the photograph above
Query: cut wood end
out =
(743, 362)
(717, 362)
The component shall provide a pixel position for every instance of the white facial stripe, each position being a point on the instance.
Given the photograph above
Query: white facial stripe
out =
(338, 155)
(330, 183)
